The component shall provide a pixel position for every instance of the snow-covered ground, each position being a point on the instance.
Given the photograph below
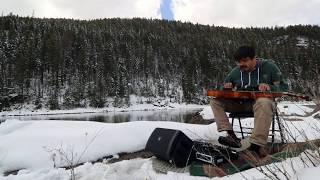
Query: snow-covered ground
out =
(41, 148)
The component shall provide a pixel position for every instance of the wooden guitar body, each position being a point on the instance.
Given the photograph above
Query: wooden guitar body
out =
(230, 94)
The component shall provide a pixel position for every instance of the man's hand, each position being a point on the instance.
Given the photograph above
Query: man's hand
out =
(264, 87)
(227, 86)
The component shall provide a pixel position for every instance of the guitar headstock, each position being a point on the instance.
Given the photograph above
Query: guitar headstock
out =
(299, 96)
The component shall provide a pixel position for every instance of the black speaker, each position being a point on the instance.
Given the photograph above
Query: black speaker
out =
(171, 145)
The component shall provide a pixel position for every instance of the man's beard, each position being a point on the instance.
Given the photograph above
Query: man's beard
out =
(244, 68)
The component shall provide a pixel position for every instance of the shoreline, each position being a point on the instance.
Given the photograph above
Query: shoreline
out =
(89, 110)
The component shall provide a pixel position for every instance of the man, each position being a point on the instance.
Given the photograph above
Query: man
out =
(250, 74)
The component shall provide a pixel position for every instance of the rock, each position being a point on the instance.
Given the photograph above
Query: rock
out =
(197, 119)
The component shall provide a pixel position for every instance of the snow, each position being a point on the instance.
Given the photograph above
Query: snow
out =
(302, 41)
(85, 141)
(207, 113)
(40, 149)
(300, 109)
(312, 173)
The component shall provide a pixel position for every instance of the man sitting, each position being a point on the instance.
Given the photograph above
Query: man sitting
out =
(249, 73)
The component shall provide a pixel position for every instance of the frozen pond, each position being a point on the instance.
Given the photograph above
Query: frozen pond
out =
(175, 115)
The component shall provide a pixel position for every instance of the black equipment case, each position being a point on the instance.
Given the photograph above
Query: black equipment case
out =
(213, 154)
(172, 146)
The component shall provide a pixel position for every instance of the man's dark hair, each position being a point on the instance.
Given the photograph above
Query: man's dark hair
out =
(244, 52)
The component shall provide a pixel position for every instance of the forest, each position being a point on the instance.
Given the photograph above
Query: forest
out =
(67, 63)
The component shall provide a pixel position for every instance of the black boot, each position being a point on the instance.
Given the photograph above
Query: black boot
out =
(233, 135)
(255, 148)
(231, 140)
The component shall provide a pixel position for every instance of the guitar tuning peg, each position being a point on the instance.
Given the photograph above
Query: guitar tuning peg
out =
(307, 98)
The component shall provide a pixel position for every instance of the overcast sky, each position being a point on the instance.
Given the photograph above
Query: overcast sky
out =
(238, 13)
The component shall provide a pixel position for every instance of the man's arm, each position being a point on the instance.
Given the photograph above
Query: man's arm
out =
(228, 82)
(278, 83)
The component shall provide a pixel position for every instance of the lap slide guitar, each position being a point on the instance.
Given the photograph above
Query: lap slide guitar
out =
(230, 94)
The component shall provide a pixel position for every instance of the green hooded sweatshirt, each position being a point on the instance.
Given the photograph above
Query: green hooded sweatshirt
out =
(265, 72)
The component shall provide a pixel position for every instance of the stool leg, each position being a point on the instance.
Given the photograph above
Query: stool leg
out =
(272, 130)
(232, 121)
(280, 128)
(241, 128)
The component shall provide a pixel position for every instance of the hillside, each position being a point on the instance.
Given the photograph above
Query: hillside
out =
(65, 63)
